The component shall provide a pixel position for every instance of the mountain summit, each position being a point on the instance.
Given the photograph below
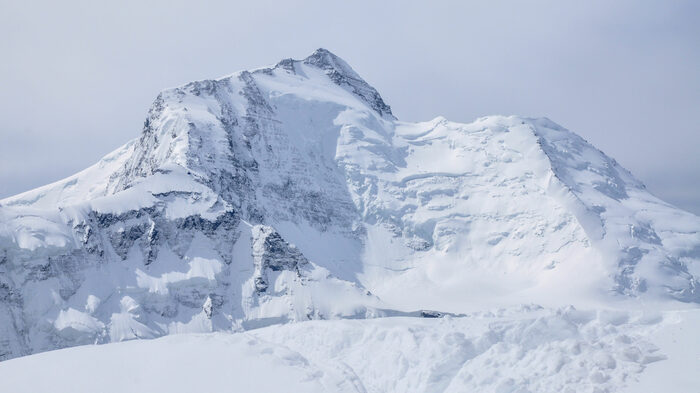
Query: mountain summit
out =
(343, 75)
(292, 193)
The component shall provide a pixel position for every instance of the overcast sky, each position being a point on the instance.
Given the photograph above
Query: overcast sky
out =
(76, 78)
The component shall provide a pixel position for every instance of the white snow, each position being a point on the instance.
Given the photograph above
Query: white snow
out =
(525, 349)
(77, 320)
(202, 268)
(377, 218)
(679, 342)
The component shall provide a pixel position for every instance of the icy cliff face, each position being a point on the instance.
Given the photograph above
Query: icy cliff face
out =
(292, 193)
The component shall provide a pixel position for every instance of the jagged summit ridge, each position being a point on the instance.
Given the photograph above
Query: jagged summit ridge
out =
(342, 74)
(239, 105)
(291, 193)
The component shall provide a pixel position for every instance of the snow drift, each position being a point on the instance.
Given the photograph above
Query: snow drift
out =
(537, 351)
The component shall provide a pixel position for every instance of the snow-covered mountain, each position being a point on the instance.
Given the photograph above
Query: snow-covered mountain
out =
(292, 193)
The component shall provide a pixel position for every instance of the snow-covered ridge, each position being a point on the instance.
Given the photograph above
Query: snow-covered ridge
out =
(291, 193)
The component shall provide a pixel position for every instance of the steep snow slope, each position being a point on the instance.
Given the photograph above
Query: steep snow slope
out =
(508, 206)
(516, 350)
(292, 193)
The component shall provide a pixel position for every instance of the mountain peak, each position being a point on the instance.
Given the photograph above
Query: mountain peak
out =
(343, 75)
(325, 59)
(289, 193)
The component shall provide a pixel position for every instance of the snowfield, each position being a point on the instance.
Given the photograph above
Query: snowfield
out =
(527, 349)
(282, 221)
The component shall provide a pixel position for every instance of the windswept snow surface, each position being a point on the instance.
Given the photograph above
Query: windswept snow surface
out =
(292, 193)
(527, 349)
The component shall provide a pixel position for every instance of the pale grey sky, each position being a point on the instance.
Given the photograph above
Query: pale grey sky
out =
(76, 78)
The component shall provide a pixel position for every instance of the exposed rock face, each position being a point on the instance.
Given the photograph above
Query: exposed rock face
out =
(272, 253)
(190, 228)
(342, 75)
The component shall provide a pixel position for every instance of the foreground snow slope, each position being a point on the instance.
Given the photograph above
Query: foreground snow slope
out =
(292, 193)
(516, 350)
